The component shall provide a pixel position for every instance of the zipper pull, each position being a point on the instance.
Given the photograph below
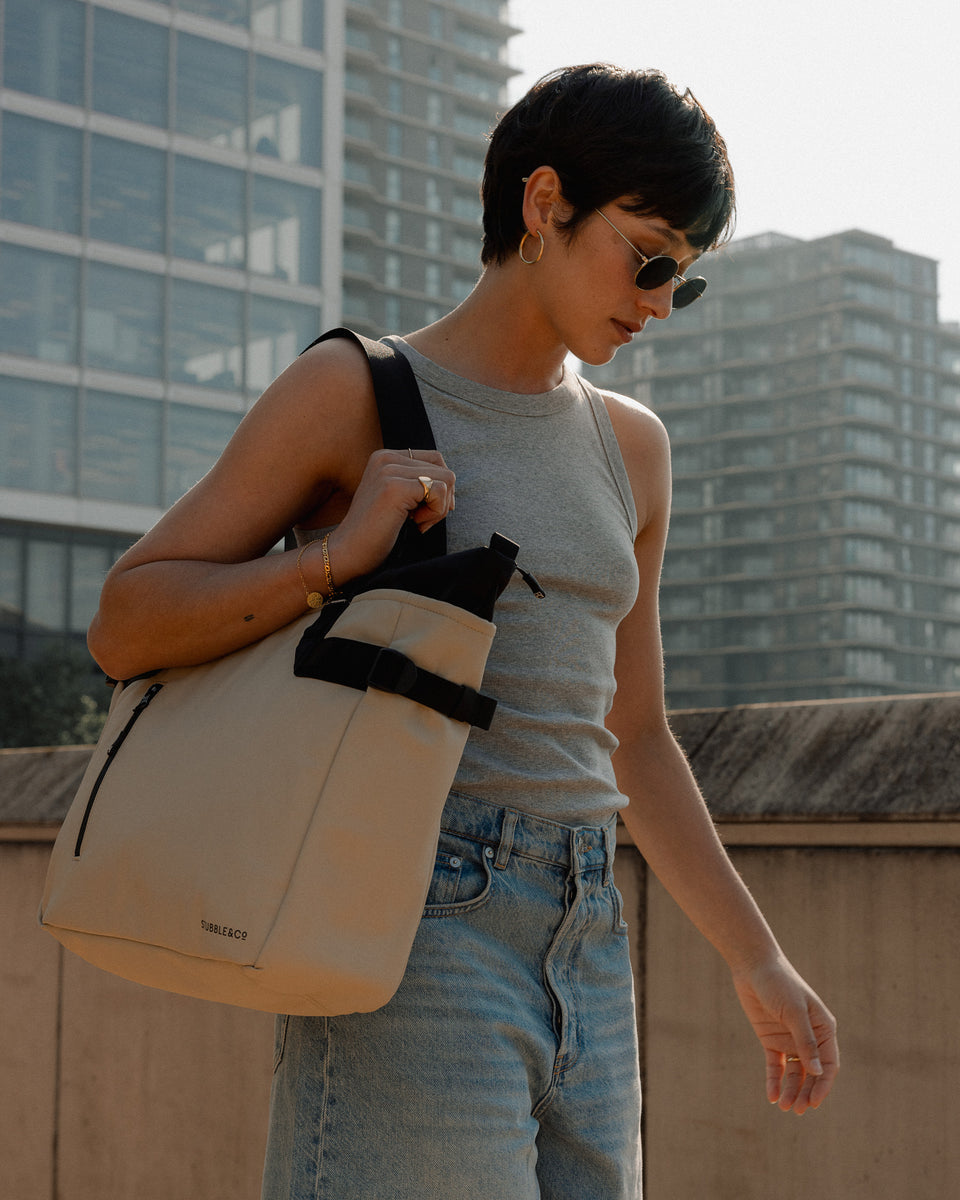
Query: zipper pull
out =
(141, 704)
(531, 583)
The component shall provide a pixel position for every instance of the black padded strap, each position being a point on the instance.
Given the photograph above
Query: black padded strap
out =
(403, 419)
(403, 424)
(361, 665)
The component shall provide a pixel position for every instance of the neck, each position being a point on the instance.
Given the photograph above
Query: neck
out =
(495, 338)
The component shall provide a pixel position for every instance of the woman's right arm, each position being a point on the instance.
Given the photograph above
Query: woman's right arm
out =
(201, 583)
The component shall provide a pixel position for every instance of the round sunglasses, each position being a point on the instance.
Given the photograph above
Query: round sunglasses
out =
(659, 270)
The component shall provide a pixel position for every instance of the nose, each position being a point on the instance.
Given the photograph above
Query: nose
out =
(658, 302)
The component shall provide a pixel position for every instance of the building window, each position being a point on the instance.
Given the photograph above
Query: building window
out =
(467, 207)
(40, 181)
(123, 320)
(285, 230)
(206, 335)
(43, 48)
(869, 664)
(299, 22)
(391, 271)
(50, 583)
(130, 68)
(287, 112)
(38, 436)
(279, 330)
(194, 440)
(119, 450)
(127, 193)
(434, 237)
(868, 552)
(208, 212)
(394, 185)
(38, 304)
(211, 91)
(392, 231)
(872, 480)
(869, 442)
(433, 283)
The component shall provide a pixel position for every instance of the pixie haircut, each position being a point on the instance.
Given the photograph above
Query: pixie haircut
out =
(610, 134)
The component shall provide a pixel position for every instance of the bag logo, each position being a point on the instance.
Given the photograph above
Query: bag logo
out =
(223, 930)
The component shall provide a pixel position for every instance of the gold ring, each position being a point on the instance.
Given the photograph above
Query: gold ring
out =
(426, 483)
(410, 452)
(792, 1058)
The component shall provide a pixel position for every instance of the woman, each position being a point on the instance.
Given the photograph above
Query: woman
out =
(506, 1065)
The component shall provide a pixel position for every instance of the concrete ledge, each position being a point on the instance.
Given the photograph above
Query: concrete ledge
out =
(37, 785)
(875, 758)
(893, 759)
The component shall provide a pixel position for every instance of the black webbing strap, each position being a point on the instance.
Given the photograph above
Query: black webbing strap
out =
(403, 421)
(362, 665)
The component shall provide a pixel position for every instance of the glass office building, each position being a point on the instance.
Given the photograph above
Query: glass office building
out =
(813, 404)
(189, 192)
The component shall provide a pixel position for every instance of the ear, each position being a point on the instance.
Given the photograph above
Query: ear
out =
(541, 197)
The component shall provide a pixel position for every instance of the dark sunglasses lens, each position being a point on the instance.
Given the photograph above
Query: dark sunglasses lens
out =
(688, 291)
(655, 272)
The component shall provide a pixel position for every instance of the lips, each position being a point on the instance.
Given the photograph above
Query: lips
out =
(626, 330)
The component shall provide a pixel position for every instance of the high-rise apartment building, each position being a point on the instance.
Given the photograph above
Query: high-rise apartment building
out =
(813, 404)
(190, 190)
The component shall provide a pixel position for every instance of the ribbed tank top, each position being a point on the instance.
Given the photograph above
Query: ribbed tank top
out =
(546, 471)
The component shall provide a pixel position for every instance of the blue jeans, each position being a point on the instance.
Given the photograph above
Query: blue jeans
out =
(505, 1067)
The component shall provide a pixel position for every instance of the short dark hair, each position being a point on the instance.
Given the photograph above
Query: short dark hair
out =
(609, 133)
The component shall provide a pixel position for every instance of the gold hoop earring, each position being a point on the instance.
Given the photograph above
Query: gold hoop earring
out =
(530, 261)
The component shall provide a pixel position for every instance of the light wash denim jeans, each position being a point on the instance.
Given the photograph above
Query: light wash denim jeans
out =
(505, 1067)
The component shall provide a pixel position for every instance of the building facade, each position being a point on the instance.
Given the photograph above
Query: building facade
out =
(190, 191)
(813, 404)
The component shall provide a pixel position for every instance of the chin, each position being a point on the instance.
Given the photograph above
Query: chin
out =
(596, 356)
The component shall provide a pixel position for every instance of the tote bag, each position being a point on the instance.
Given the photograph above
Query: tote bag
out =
(261, 830)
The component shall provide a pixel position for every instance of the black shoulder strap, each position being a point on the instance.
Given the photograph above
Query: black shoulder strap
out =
(403, 419)
(403, 424)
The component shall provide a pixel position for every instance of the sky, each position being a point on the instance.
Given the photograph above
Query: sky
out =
(838, 114)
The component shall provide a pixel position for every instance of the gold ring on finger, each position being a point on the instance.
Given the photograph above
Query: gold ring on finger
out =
(426, 483)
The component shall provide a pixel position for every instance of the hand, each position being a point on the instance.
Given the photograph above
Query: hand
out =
(797, 1031)
(389, 492)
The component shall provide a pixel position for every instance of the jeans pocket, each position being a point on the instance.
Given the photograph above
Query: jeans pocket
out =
(462, 876)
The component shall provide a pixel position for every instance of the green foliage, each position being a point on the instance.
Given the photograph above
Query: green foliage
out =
(55, 700)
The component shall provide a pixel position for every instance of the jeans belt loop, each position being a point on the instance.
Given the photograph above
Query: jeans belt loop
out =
(507, 830)
(610, 842)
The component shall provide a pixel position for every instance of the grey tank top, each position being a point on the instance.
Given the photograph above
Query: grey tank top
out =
(546, 471)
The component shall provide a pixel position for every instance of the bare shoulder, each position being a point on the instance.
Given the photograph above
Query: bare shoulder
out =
(645, 447)
(634, 424)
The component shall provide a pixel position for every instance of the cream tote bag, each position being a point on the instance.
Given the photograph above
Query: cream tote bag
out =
(261, 830)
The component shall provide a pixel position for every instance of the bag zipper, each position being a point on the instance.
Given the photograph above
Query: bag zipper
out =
(145, 699)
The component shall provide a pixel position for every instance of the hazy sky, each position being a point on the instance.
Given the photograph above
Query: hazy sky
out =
(838, 114)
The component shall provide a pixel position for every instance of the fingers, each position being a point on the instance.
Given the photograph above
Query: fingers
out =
(798, 1084)
(789, 1084)
(431, 484)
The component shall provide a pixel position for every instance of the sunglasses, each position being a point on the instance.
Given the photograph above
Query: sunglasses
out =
(657, 271)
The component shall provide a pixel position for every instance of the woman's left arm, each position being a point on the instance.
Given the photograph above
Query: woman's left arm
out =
(669, 821)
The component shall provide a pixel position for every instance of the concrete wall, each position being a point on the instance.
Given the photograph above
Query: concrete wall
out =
(110, 1091)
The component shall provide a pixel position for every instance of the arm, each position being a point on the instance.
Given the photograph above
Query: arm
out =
(202, 583)
(669, 821)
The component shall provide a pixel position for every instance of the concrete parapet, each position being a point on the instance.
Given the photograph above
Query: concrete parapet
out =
(843, 818)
